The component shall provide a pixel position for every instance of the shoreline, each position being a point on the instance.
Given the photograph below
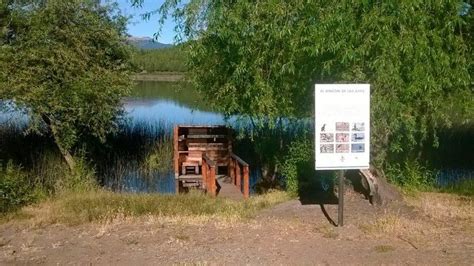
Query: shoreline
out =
(160, 76)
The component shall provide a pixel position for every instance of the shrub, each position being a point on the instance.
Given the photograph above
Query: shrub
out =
(411, 175)
(82, 179)
(15, 188)
(297, 165)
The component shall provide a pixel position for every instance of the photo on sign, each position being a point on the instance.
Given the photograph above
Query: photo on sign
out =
(326, 148)
(342, 137)
(358, 126)
(358, 137)
(327, 137)
(357, 148)
(342, 148)
(326, 127)
(342, 126)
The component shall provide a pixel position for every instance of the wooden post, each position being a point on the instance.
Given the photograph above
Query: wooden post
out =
(176, 159)
(229, 152)
(232, 170)
(340, 211)
(212, 180)
(175, 151)
(238, 181)
(176, 185)
(246, 182)
(204, 174)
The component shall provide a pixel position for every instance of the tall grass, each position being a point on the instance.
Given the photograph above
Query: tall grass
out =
(101, 205)
(170, 59)
(30, 167)
(464, 187)
(137, 158)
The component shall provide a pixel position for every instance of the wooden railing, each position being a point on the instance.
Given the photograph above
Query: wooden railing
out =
(238, 170)
(209, 175)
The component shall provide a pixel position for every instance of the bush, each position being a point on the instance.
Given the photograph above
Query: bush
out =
(82, 179)
(297, 166)
(15, 188)
(411, 175)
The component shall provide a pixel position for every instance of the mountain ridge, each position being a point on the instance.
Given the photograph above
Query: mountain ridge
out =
(146, 43)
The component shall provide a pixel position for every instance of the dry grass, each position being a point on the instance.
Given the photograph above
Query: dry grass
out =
(327, 231)
(393, 224)
(110, 208)
(384, 248)
(440, 213)
(441, 206)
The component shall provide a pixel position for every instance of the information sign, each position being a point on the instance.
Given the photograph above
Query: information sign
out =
(342, 126)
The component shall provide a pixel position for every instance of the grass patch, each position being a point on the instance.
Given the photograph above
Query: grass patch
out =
(463, 188)
(389, 224)
(443, 206)
(104, 206)
(327, 232)
(439, 210)
(384, 248)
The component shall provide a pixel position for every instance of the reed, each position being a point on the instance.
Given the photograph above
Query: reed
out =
(137, 158)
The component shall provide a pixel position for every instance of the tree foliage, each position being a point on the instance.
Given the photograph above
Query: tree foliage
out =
(65, 64)
(262, 59)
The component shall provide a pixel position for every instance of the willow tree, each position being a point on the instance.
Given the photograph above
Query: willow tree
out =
(262, 59)
(65, 63)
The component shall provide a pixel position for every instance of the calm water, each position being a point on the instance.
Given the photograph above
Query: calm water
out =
(172, 103)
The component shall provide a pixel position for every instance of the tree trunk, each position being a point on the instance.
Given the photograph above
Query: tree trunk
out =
(66, 155)
(373, 185)
(68, 158)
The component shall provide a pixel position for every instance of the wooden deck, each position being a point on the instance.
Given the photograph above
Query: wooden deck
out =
(228, 190)
(224, 187)
(203, 159)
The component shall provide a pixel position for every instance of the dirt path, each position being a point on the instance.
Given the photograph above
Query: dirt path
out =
(290, 233)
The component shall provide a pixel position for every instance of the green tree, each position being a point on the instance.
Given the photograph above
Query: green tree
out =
(262, 59)
(65, 64)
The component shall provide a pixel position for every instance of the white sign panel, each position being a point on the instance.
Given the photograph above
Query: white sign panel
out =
(342, 121)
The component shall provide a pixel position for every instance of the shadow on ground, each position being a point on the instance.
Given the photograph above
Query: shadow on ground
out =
(321, 191)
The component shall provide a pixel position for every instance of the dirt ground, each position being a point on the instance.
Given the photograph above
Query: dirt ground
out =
(292, 233)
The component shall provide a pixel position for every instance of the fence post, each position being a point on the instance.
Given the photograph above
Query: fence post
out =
(176, 158)
(246, 182)
(232, 170)
(238, 181)
(212, 180)
(204, 174)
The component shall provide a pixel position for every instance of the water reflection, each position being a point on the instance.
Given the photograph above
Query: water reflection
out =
(174, 103)
(157, 110)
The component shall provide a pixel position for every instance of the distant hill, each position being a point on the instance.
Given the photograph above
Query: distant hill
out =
(147, 43)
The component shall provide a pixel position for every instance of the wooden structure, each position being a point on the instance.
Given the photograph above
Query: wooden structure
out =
(203, 159)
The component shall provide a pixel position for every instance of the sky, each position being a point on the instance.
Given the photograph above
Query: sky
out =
(141, 28)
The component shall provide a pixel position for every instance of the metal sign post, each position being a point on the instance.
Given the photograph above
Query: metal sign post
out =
(342, 130)
(340, 209)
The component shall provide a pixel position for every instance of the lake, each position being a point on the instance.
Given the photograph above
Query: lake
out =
(174, 103)
(165, 104)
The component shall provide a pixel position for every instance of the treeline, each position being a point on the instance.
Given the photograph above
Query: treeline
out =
(171, 59)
